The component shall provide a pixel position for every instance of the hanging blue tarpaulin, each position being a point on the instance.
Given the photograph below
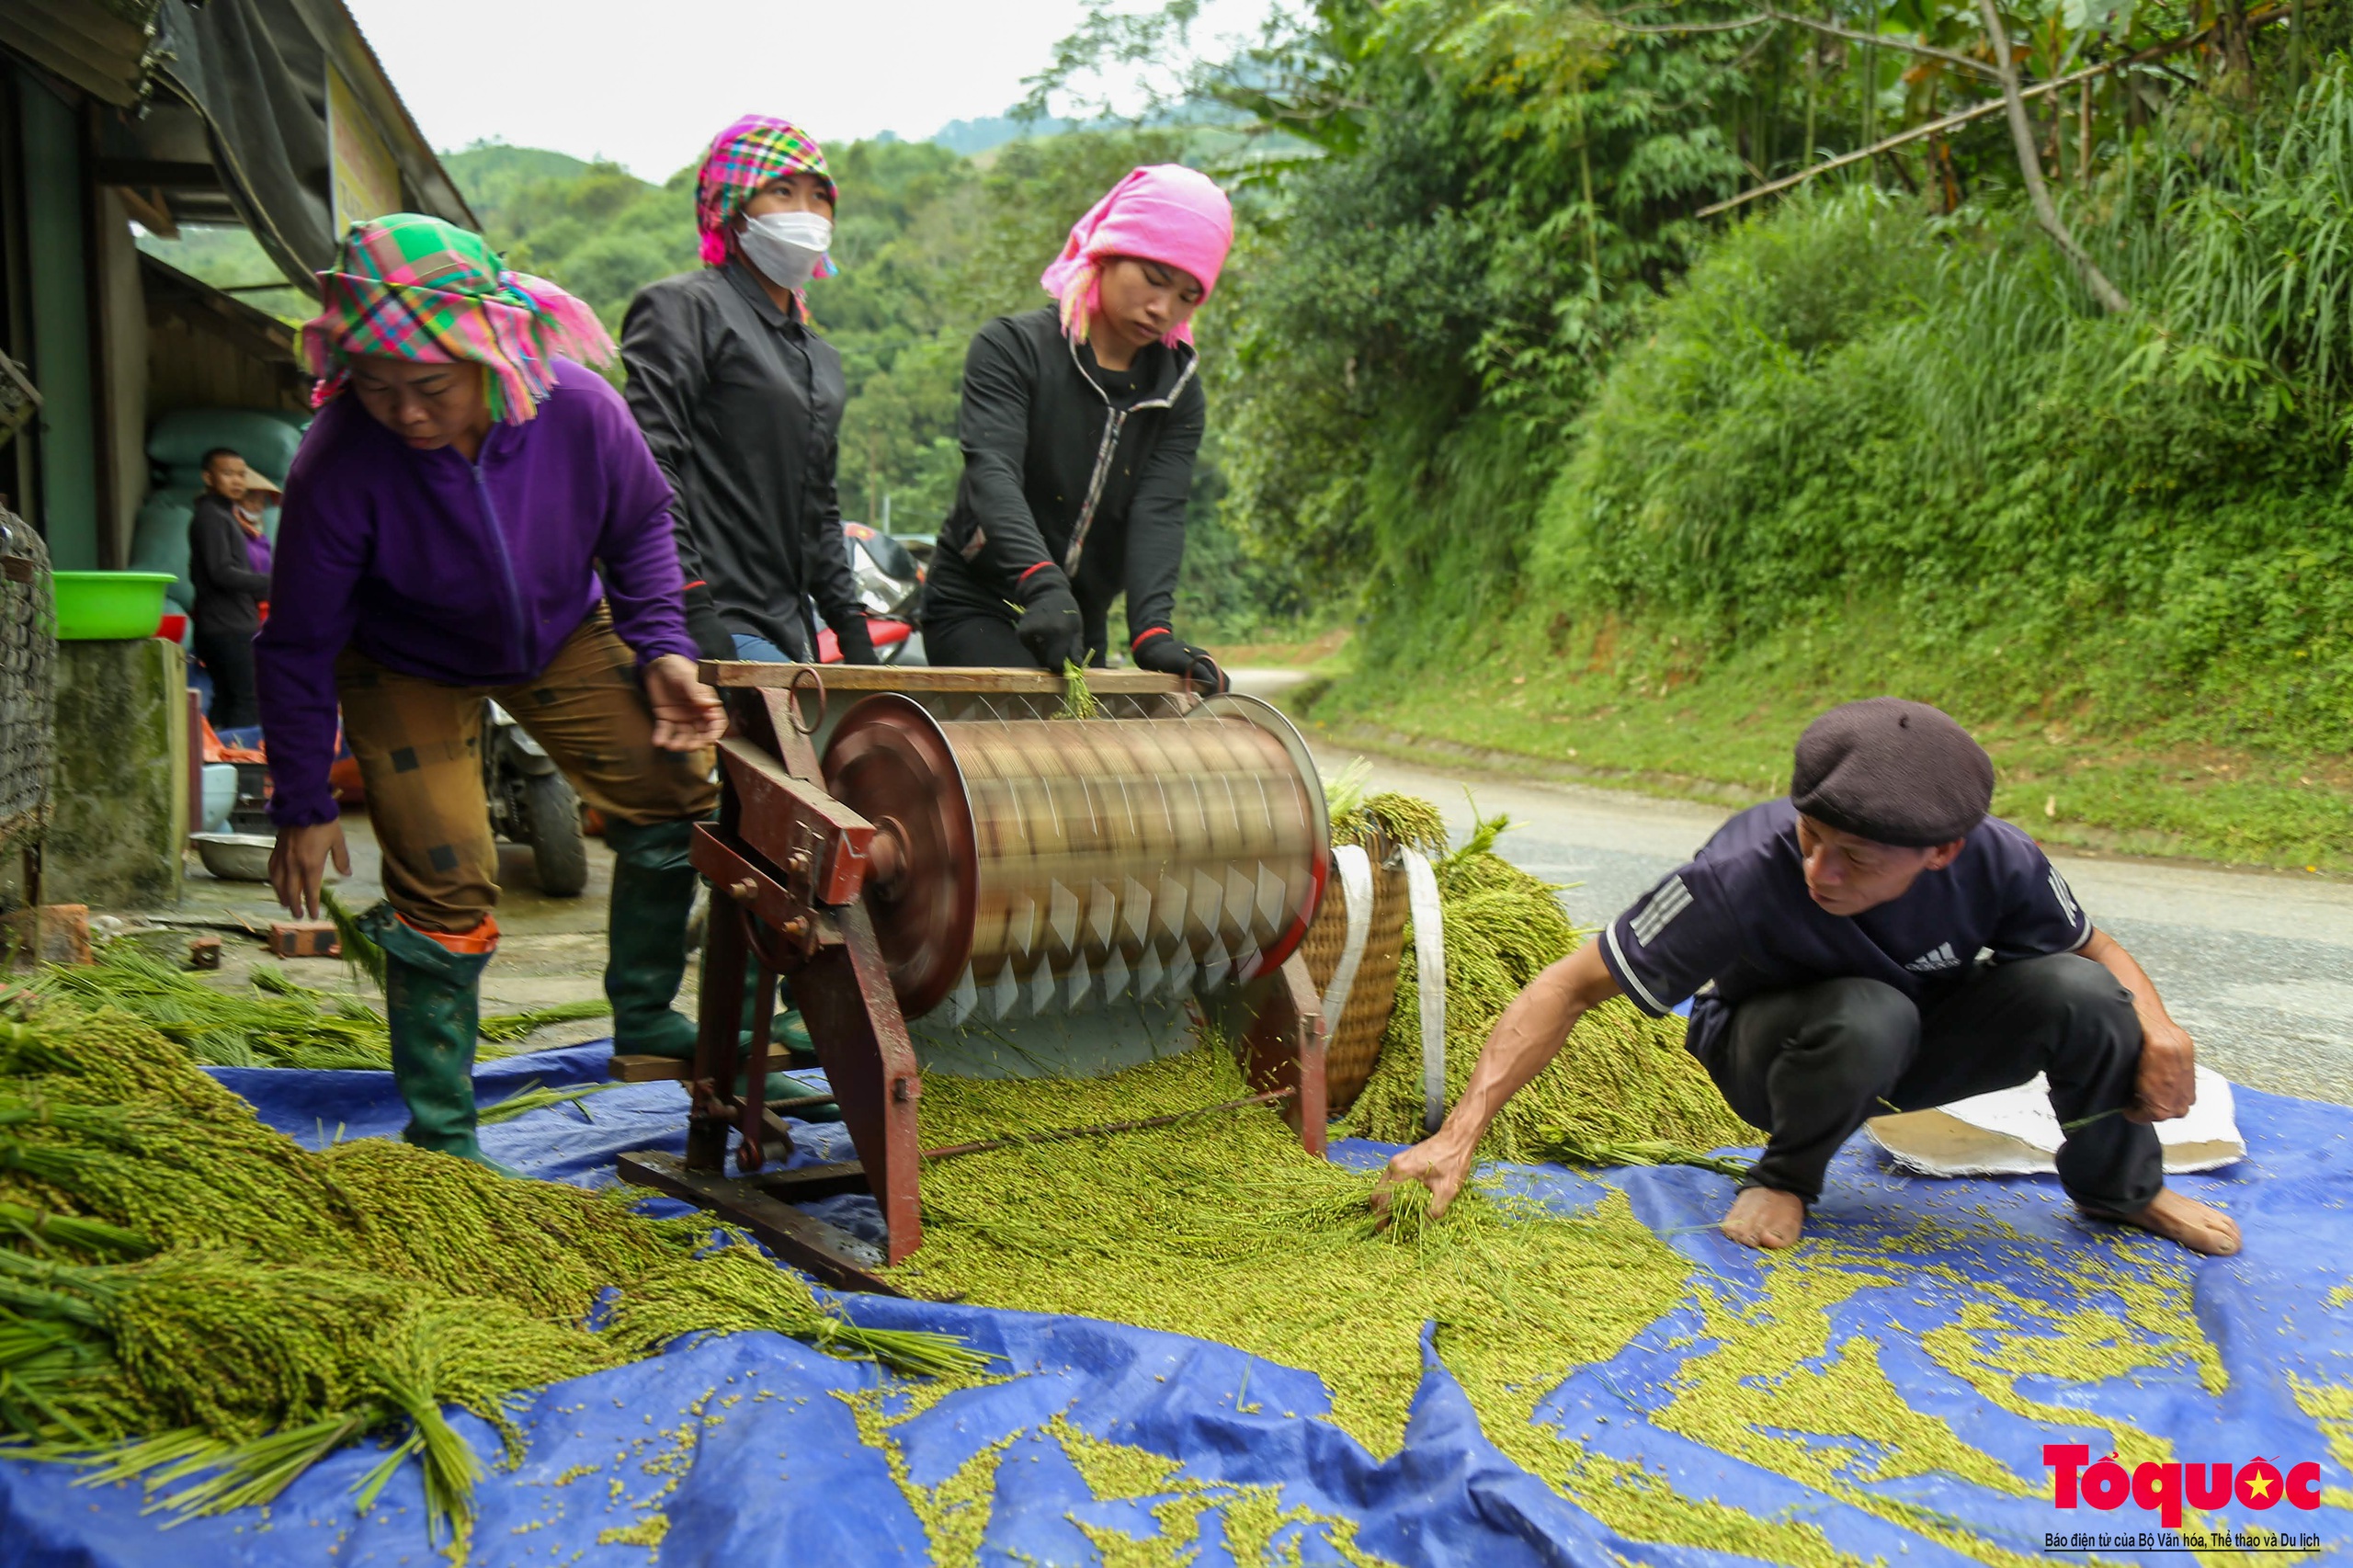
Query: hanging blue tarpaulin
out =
(1892, 1401)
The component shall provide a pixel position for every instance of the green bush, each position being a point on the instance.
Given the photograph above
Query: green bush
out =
(1850, 416)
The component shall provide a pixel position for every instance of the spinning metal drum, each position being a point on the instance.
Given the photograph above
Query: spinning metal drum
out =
(1000, 892)
(1023, 868)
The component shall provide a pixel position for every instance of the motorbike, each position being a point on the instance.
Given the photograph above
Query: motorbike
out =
(890, 583)
(532, 803)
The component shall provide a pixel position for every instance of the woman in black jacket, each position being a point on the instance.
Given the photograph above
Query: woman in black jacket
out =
(1080, 423)
(230, 584)
(741, 403)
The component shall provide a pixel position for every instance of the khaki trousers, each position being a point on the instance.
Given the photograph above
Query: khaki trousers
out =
(419, 748)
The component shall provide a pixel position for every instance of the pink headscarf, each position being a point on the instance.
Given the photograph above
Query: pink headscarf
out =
(1165, 213)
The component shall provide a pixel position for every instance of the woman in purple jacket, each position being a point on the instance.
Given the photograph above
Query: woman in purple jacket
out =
(446, 529)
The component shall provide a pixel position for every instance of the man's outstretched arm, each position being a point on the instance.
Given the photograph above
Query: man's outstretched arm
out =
(1529, 1035)
(2167, 1083)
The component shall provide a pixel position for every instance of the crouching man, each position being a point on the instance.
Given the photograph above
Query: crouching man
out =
(1873, 941)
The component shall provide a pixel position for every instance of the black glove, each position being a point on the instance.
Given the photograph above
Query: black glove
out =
(1050, 625)
(711, 638)
(856, 643)
(1164, 653)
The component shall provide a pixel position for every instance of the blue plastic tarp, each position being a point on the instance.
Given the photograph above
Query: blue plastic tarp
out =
(741, 1448)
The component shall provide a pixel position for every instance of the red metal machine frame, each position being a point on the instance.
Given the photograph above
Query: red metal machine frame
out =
(787, 864)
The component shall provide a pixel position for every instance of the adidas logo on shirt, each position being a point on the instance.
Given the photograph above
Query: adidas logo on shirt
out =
(1671, 900)
(1936, 958)
(2066, 897)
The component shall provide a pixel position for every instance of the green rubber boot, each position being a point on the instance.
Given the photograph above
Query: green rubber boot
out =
(433, 1003)
(654, 892)
(786, 1031)
(788, 1034)
(645, 955)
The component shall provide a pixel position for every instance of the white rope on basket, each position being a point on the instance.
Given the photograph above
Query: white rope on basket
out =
(1355, 889)
(1430, 970)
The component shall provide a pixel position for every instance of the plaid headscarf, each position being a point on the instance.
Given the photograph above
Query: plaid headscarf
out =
(416, 288)
(744, 157)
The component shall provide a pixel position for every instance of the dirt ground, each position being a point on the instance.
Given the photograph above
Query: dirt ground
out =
(549, 949)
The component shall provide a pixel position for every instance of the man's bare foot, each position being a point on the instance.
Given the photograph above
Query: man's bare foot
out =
(1763, 1217)
(2195, 1226)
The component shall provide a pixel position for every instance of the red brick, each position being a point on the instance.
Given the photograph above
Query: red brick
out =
(304, 939)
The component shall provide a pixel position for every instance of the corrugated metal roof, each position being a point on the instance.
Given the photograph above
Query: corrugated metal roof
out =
(99, 46)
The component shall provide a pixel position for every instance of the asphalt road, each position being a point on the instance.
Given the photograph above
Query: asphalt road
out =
(2258, 967)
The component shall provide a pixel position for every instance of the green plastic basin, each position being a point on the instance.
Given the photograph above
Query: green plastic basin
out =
(94, 607)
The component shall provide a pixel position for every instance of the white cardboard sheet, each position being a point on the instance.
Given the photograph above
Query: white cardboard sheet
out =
(2014, 1132)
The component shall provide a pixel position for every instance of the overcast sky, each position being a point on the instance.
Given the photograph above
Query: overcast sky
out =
(647, 82)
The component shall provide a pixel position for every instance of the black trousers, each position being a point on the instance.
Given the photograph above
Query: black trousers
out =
(975, 642)
(1812, 1064)
(981, 640)
(228, 658)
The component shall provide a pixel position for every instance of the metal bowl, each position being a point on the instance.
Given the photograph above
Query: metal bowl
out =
(235, 856)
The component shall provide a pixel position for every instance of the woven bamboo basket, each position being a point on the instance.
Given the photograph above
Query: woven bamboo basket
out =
(1353, 1040)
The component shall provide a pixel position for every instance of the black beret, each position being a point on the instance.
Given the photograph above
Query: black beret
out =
(1892, 771)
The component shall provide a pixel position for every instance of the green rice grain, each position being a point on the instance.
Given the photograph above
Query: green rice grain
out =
(296, 1300)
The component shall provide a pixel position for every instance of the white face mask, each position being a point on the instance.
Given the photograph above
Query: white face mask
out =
(787, 247)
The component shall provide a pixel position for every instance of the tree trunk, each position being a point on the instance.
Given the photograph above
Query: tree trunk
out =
(2083, 135)
(2046, 212)
(1812, 80)
(2235, 46)
(1592, 217)
(1870, 88)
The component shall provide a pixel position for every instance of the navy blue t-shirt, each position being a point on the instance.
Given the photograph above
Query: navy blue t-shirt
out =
(1737, 922)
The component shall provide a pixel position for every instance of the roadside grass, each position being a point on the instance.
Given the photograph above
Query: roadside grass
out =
(1311, 652)
(1725, 733)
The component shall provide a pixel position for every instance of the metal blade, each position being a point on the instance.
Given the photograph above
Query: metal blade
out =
(1207, 898)
(1182, 973)
(1215, 965)
(1270, 899)
(1171, 906)
(1102, 913)
(1239, 894)
(1135, 905)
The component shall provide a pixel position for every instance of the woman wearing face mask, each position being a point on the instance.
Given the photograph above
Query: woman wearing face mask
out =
(1080, 422)
(742, 403)
(473, 514)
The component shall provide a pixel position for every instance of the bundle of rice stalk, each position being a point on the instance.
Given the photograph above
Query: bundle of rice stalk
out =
(1079, 701)
(1622, 1091)
(278, 1023)
(189, 1297)
(1383, 819)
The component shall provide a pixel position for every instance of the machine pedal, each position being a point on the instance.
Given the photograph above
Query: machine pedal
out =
(632, 1069)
